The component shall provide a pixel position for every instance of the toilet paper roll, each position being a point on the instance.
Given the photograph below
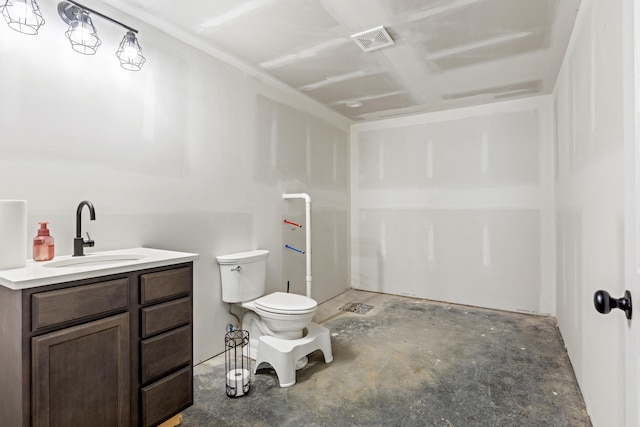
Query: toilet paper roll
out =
(13, 234)
(238, 379)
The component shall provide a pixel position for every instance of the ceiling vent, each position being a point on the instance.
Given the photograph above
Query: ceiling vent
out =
(373, 39)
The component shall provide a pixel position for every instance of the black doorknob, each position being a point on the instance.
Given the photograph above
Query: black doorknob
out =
(604, 302)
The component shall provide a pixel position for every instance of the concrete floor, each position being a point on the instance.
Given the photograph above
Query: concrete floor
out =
(409, 362)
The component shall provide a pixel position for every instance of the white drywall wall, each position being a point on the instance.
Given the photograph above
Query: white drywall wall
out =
(457, 206)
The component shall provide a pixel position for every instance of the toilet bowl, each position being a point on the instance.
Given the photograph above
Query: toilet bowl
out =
(284, 319)
(285, 314)
(243, 277)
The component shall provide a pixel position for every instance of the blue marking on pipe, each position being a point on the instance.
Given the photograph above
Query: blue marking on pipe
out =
(294, 249)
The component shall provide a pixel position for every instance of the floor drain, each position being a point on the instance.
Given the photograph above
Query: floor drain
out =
(356, 307)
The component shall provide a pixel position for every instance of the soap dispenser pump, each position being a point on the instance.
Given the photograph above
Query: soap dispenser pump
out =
(43, 249)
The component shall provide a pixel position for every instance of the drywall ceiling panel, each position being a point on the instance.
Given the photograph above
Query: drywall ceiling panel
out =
(485, 21)
(357, 88)
(501, 92)
(503, 49)
(330, 66)
(412, 8)
(480, 32)
(193, 16)
(277, 30)
(391, 102)
(441, 46)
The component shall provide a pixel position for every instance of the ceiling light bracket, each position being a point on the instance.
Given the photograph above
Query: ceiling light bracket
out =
(68, 10)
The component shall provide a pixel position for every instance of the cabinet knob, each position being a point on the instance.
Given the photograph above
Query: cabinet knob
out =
(604, 302)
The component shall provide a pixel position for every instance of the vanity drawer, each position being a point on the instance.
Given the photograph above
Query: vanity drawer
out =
(165, 316)
(65, 305)
(165, 284)
(165, 352)
(167, 397)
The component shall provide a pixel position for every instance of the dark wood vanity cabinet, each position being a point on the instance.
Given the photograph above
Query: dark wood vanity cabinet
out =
(111, 351)
(166, 334)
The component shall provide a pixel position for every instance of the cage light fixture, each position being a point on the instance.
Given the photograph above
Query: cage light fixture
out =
(23, 16)
(130, 53)
(84, 37)
(83, 34)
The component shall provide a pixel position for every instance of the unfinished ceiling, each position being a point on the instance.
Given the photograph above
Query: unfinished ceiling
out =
(446, 53)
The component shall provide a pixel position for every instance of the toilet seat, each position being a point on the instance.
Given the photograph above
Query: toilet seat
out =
(284, 303)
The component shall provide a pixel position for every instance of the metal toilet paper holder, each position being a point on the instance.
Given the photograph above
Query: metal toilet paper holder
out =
(237, 368)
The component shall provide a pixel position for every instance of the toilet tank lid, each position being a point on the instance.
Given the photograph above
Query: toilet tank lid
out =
(243, 257)
(282, 301)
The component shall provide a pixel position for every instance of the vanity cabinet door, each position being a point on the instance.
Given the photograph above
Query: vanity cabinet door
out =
(81, 375)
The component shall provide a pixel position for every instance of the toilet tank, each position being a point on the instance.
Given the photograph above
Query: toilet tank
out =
(243, 275)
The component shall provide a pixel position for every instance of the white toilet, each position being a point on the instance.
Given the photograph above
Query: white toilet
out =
(280, 329)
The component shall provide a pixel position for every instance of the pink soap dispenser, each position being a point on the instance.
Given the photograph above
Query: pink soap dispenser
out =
(43, 244)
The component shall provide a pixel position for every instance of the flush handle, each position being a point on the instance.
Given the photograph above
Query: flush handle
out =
(238, 269)
(604, 302)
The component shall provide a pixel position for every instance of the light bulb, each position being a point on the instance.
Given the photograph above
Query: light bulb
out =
(82, 34)
(130, 52)
(20, 9)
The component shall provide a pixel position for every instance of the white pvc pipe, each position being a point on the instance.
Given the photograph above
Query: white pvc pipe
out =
(307, 200)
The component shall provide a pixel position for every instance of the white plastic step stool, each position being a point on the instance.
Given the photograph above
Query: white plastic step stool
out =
(282, 354)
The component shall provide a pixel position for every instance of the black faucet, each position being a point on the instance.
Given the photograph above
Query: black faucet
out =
(79, 243)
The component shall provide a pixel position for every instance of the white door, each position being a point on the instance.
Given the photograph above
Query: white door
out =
(631, 28)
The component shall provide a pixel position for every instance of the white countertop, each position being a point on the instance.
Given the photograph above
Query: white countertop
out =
(35, 274)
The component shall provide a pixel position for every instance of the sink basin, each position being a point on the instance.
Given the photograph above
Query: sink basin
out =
(94, 260)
